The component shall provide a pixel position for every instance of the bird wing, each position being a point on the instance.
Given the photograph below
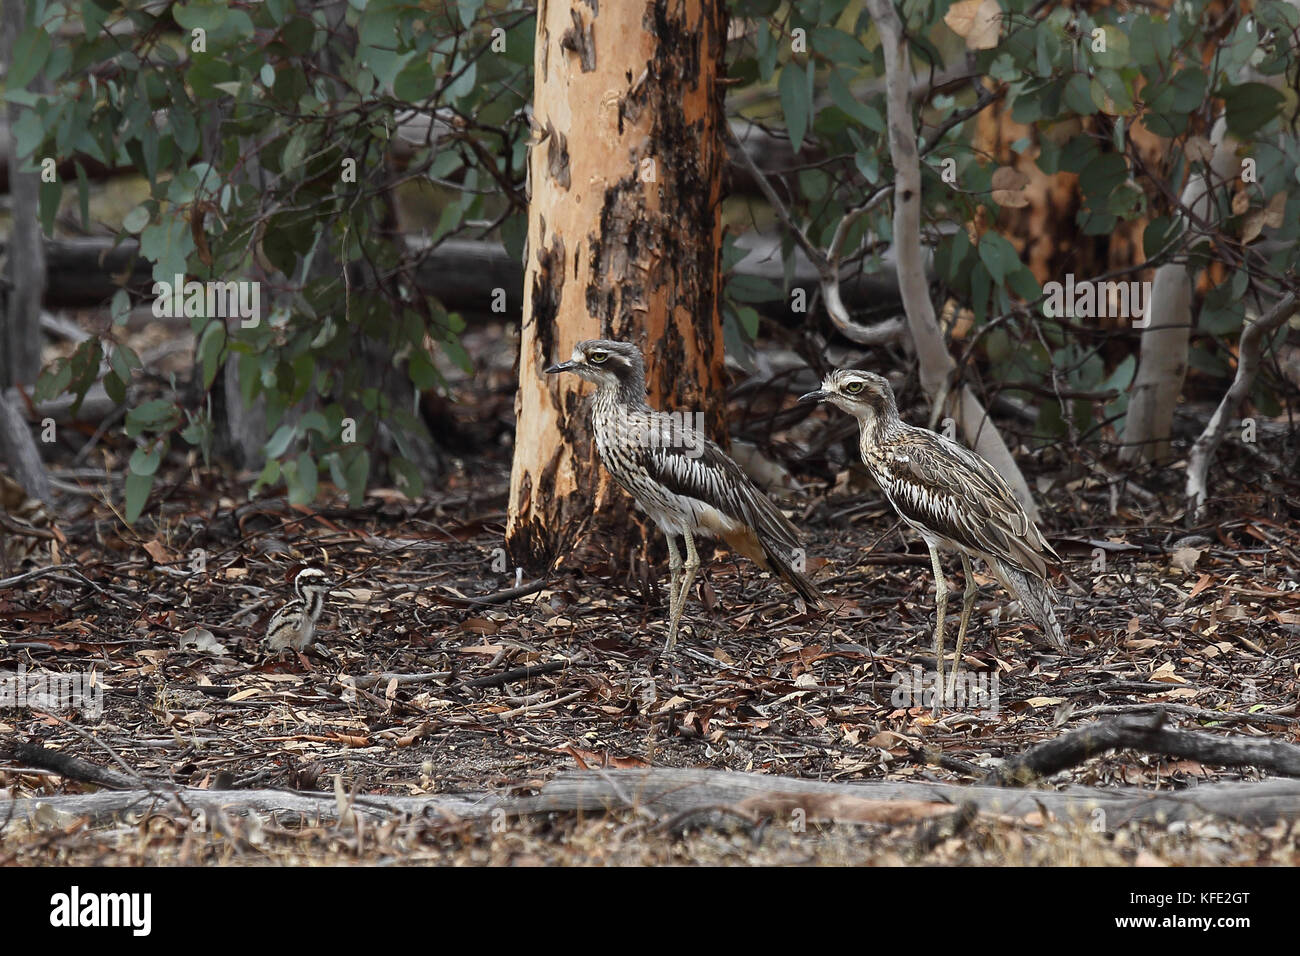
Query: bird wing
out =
(951, 490)
(697, 468)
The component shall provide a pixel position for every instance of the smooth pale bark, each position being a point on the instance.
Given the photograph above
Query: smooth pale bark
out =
(1162, 361)
(624, 242)
(936, 365)
(20, 304)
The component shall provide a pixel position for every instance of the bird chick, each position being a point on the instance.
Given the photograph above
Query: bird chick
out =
(294, 625)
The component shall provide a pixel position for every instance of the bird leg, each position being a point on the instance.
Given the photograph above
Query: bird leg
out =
(688, 577)
(967, 602)
(940, 609)
(674, 570)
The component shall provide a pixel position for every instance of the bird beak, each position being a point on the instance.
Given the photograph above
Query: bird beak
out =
(562, 367)
(818, 396)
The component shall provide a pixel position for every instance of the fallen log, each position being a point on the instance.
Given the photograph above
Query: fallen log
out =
(666, 794)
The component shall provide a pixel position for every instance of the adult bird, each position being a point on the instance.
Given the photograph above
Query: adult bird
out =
(951, 497)
(683, 481)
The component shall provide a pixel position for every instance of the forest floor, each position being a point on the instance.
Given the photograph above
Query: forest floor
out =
(416, 686)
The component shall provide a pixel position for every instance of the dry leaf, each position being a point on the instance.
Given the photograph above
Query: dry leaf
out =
(1009, 187)
(1252, 225)
(1198, 149)
(159, 552)
(978, 21)
(1273, 214)
(1185, 558)
(1240, 203)
(201, 641)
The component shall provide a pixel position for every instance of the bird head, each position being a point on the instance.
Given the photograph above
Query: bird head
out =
(311, 579)
(864, 395)
(607, 363)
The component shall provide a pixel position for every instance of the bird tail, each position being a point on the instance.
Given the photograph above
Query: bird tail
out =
(1036, 597)
(797, 579)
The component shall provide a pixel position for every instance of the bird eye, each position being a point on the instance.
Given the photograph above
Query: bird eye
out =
(854, 388)
(595, 358)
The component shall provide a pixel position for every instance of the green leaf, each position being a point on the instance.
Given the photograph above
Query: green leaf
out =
(1117, 49)
(796, 103)
(135, 220)
(168, 244)
(356, 473)
(137, 494)
(1249, 107)
(423, 375)
(838, 47)
(115, 388)
(1078, 95)
(155, 415)
(279, 442)
(1158, 234)
(468, 11)
(843, 97)
(30, 52)
(416, 82)
(1189, 90)
(211, 344)
(51, 194)
(145, 461)
(998, 256)
(748, 318)
(302, 480)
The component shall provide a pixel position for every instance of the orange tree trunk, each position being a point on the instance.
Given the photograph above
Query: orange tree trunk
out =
(624, 242)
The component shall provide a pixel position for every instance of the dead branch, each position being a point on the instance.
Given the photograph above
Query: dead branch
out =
(1253, 337)
(1149, 735)
(32, 753)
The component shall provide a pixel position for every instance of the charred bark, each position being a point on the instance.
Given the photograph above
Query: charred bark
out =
(624, 242)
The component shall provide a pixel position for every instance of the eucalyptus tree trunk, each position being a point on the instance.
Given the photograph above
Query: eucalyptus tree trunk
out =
(624, 242)
(20, 304)
(1162, 362)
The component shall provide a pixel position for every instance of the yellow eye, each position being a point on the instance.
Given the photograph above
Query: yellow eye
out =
(854, 388)
(595, 358)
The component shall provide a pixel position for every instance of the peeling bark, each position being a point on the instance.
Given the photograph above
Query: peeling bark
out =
(624, 242)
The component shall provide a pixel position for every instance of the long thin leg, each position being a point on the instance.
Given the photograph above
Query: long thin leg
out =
(688, 578)
(967, 602)
(674, 571)
(940, 609)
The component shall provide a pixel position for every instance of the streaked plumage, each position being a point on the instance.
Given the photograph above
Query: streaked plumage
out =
(951, 497)
(294, 625)
(683, 481)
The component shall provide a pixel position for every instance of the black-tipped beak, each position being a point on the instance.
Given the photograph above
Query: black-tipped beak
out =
(818, 396)
(562, 367)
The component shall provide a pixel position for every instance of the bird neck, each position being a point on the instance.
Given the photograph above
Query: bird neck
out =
(313, 602)
(882, 424)
(628, 394)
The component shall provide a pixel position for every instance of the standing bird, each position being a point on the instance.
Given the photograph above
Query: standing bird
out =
(950, 496)
(294, 625)
(683, 481)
